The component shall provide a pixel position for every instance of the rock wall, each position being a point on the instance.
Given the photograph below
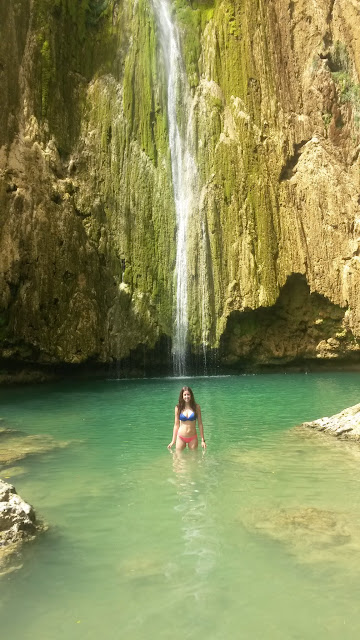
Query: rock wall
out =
(87, 237)
(85, 194)
(278, 103)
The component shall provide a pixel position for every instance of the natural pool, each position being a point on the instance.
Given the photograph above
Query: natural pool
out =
(258, 538)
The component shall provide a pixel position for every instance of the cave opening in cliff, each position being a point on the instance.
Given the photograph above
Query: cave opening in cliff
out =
(302, 329)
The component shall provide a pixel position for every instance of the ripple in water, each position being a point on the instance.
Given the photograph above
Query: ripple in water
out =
(257, 537)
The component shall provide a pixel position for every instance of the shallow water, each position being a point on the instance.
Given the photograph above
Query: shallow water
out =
(257, 538)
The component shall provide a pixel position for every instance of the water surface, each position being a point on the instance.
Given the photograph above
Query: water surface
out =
(257, 538)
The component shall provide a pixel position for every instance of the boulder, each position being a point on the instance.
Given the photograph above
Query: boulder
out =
(343, 425)
(18, 523)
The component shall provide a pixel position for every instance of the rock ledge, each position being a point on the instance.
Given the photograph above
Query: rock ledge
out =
(345, 424)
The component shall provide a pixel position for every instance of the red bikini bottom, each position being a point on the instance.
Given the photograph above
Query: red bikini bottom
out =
(186, 439)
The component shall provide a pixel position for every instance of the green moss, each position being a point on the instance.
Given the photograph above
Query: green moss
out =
(132, 171)
(241, 202)
(141, 107)
(75, 41)
(326, 117)
(342, 73)
(46, 72)
(348, 90)
(128, 276)
(191, 20)
(339, 58)
(105, 80)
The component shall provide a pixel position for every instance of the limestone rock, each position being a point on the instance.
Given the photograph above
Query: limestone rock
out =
(18, 523)
(345, 424)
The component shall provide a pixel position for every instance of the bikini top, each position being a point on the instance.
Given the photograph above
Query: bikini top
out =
(191, 417)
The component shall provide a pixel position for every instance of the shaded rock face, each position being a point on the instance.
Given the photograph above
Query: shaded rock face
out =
(84, 266)
(301, 327)
(87, 224)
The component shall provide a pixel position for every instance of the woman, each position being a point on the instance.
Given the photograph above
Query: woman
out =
(186, 414)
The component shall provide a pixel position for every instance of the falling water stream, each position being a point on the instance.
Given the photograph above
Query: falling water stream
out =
(184, 170)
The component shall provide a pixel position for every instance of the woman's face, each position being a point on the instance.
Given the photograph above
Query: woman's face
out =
(187, 396)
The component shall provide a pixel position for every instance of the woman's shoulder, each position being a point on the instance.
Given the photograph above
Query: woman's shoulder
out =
(197, 407)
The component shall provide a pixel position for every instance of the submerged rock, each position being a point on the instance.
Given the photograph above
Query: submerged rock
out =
(345, 424)
(11, 472)
(18, 523)
(320, 526)
(17, 446)
(310, 533)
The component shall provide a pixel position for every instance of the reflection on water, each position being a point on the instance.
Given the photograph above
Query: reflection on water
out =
(198, 527)
(258, 536)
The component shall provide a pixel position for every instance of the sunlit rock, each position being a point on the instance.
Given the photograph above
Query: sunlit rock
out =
(345, 424)
(18, 523)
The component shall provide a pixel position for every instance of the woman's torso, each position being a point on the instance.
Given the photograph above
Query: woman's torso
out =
(187, 419)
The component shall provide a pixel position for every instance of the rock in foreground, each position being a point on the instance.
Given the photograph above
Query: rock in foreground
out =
(345, 424)
(18, 523)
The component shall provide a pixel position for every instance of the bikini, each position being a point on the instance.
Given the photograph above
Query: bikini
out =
(185, 418)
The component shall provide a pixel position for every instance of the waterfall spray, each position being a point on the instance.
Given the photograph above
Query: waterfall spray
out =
(184, 171)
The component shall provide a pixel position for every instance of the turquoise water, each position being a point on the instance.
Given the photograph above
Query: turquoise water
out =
(143, 543)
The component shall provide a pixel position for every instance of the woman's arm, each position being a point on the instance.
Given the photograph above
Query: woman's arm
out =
(201, 426)
(176, 427)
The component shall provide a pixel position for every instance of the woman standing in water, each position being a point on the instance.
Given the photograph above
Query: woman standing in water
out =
(186, 414)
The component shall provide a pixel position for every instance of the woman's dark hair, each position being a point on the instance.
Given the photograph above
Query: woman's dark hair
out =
(181, 403)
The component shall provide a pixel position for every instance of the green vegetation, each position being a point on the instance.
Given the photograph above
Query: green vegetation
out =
(240, 206)
(46, 73)
(74, 41)
(339, 58)
(131, 171)
(192, 18)
(342, 73)
(327, 117)
(347, 89)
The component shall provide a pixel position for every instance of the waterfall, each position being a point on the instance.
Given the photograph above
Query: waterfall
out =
(203, 294)
(183, 166)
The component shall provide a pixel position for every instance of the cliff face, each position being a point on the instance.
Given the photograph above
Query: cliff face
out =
(86, 204)
(87, 238)
(278, 105)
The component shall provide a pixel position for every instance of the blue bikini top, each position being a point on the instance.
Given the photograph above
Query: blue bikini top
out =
(191, 417)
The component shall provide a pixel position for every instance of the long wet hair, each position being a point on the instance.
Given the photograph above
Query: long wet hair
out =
(181, 404)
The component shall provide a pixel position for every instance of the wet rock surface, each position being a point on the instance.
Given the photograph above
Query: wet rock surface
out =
(343, 425)
(18, 523)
